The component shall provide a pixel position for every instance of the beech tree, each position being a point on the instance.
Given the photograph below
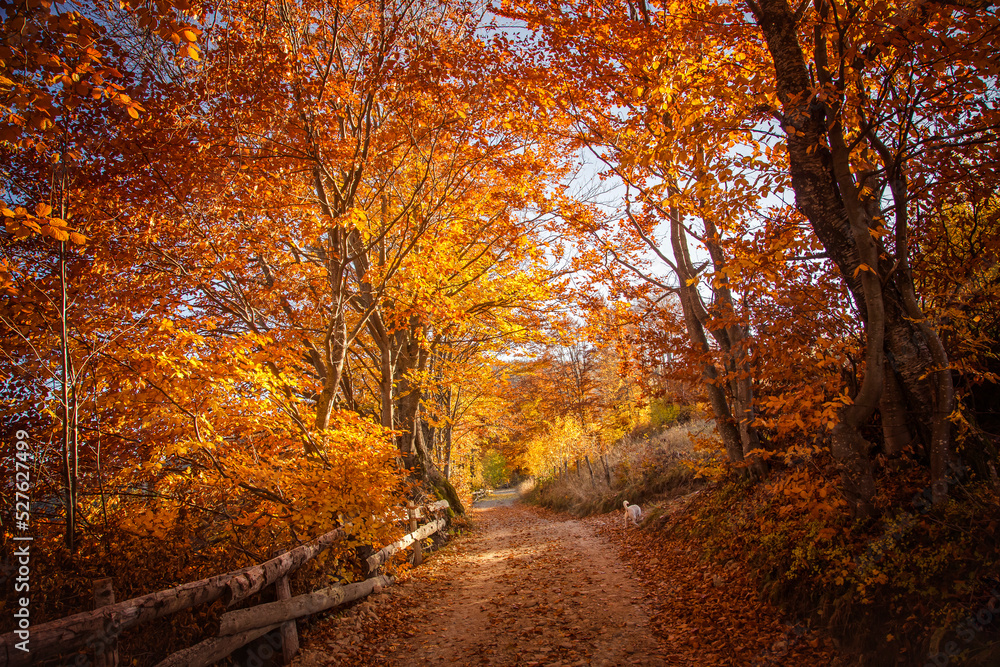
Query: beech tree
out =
(875, 112)
(667, 143)
(875, 124)
(242, 253)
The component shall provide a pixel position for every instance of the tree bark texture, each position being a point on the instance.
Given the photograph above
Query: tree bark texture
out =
(724, 421)
(841, 215)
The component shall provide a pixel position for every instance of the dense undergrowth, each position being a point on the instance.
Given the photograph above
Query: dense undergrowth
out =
(914, 586)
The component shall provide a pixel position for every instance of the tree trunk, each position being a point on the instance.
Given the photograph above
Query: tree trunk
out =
(724, 421)
(895, 429)
(335, 348)
(841, 217)
(385, 341)
(734, 342)
(68, 453)
(411, 443)
(447, 451)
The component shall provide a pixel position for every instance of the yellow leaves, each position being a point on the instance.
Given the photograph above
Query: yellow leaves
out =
(23, 224)
(56, 232)
(41, 122)
(131, 106)
(863, 267)
(189, 50)
(189, 37)
(154, 523)
(355, 218)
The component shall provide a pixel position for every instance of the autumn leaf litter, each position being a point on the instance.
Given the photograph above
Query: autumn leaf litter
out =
(535, 587)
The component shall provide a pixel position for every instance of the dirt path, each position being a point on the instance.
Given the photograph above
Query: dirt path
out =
(526, 588)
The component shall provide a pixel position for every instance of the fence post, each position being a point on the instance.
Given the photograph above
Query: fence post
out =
(418, 551)
(289, 631)
(105, 652)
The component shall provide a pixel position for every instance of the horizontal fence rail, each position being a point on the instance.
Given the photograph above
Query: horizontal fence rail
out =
(98, 630)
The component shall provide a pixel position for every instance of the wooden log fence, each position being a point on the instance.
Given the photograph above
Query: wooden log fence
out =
(376, 560)
(271, 614)
(215, 649)
(289, 632)
(418, 552)
(98, 630)
(105, 655)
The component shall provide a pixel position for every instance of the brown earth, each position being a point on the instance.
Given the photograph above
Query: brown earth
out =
(528, 587)
(534, 587)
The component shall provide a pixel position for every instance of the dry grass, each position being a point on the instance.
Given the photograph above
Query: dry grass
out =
(654, 465)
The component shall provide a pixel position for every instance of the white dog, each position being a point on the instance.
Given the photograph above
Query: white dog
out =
(633, 513)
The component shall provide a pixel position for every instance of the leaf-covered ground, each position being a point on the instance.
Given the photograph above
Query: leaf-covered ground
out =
(707, 614)
(533, 587)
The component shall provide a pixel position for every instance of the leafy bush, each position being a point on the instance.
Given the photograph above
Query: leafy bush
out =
(663, 414)
(494, 469)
